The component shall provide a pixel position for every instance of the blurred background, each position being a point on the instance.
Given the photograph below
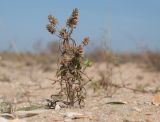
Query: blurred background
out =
(128, 24)
(126, 28)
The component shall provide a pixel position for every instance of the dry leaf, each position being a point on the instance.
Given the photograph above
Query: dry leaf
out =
(156, 100)
(116, 102)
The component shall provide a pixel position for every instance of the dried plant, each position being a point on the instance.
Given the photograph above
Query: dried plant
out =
(71, 62)
(152, 60)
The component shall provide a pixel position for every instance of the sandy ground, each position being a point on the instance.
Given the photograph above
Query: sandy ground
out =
(21, 84)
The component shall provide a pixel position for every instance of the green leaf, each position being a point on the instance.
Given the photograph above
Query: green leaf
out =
(88, 63)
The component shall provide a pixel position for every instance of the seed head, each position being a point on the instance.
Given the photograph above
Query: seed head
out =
(52, 20)
(51, 28)
(73, 19)
(85, 41)
(80, 50)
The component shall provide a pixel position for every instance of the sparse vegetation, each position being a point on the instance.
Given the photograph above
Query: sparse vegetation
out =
(152, 60)
(71, 63)
(53, 79)
(104, 55)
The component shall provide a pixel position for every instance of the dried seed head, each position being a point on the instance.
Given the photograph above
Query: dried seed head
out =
(80, 50)
(52, 20)
(51, 28)
(73, 19)
(85, 41)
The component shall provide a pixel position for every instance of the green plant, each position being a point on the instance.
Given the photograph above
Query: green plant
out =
(71, 63)
(6, 107)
